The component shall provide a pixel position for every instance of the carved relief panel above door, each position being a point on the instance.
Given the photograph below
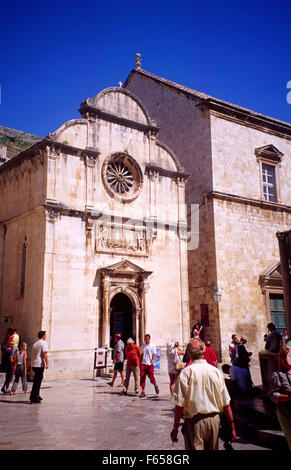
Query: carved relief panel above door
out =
(112, 237)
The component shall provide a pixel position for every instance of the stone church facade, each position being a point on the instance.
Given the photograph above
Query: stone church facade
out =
(93, 235)
(134, 216)
(240, 166)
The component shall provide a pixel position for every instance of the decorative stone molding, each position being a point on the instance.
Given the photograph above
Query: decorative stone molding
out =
(182, 230)
(89, 226)
(269, 153)
(247, 201)
(271, 278)
(151, 229)
(90, 160)
(95, 109)
(180, 169)
(73, 122)
(52, 214)
(153, 170)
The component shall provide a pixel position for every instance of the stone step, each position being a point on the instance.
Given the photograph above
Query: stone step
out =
(256, 420)
(258, 408)
(258, 434)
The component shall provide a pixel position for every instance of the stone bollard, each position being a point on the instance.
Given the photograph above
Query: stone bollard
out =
(268, 364)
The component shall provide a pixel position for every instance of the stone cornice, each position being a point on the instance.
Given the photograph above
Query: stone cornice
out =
(248, 201)
(151, 168)
(98, 215)
(58, 208)
(96, 112)
(41, 146)
(253, 120)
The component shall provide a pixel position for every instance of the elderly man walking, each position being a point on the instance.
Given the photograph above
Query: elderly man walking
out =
(200, 392)
(133, 354)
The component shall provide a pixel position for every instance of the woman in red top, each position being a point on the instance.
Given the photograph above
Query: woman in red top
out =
(210, 354)
(133, 354)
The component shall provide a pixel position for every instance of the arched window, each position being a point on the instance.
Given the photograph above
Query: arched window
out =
(23, 266)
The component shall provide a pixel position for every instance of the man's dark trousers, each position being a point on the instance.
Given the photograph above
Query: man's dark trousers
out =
(38, 376)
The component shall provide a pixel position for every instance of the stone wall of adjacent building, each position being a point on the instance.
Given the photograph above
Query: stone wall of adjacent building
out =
(203, 276)
(245, 229)
(235, 167)
(246, 245)
(237, 240)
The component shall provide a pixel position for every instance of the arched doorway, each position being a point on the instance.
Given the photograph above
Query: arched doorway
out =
(121, 318)
(130, 280)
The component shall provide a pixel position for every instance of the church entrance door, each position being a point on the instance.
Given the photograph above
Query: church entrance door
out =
(121, 318)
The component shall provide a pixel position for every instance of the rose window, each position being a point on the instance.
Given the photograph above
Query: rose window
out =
(122, 176)
(119, 177)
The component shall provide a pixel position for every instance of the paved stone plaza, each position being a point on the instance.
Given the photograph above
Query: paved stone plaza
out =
(90, 415)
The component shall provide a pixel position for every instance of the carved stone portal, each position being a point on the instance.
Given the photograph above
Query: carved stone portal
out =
(127, 278)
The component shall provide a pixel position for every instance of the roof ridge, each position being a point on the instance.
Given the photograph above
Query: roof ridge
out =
(170, 82)
(205, 96)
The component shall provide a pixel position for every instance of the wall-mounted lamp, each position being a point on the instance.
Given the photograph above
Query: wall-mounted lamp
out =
(216, 294)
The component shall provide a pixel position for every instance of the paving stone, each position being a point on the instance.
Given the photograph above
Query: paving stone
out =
(88, 415)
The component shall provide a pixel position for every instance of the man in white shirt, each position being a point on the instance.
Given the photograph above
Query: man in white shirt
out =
(39, 361)
(148, 356)
(200, 392)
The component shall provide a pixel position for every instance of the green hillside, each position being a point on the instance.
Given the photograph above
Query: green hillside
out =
(16, 141)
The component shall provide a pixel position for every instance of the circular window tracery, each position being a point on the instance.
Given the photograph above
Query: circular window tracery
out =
(119, 177)
(122, 176)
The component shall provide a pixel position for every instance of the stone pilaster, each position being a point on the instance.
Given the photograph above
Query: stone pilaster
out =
(90, 163)
(52, 162)
(105, 311)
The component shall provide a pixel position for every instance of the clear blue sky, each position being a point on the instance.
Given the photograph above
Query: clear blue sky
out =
(54, 54)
